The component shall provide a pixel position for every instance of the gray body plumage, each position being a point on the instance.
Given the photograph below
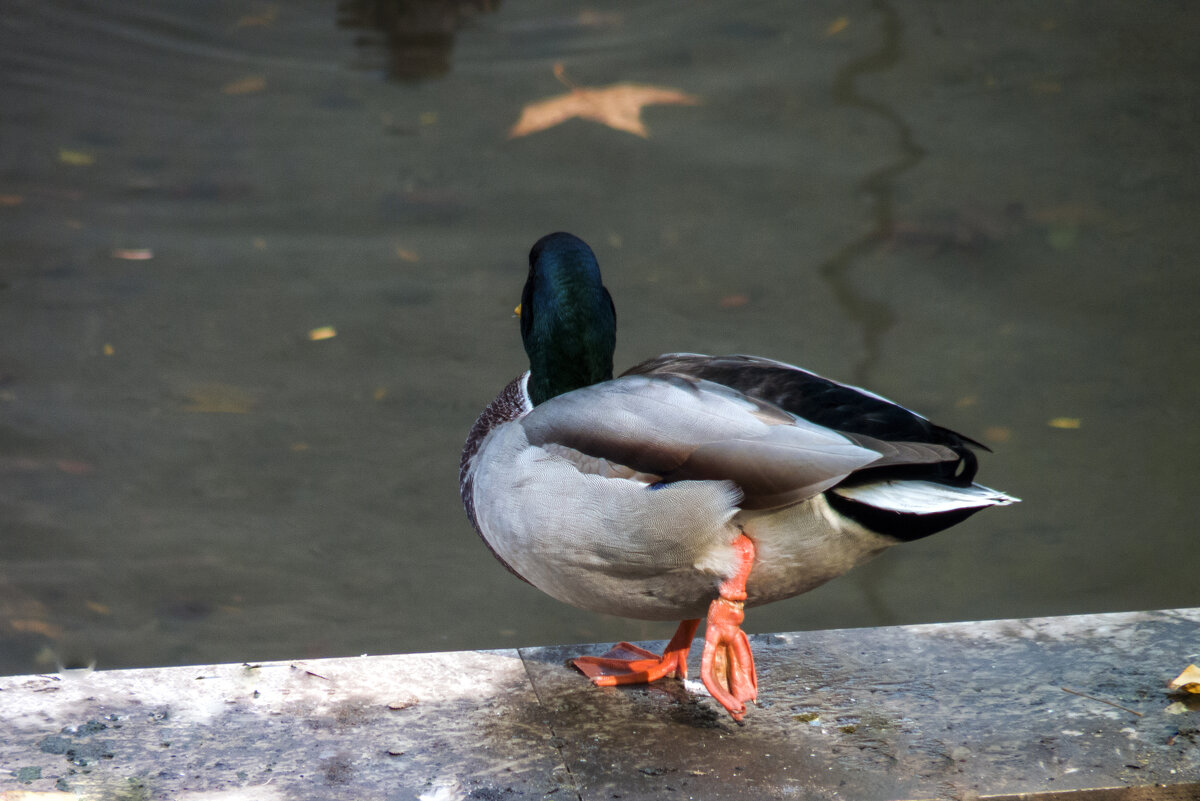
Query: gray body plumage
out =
(624, 497)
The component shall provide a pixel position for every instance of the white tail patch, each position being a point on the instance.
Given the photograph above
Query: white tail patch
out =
(924, 497)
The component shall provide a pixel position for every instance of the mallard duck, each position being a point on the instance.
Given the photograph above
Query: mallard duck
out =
(691, 486)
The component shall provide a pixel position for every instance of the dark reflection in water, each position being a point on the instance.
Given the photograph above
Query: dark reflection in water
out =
(409, 39)
(875, 317)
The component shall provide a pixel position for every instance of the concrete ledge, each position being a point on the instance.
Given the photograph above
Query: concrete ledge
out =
(959, 711)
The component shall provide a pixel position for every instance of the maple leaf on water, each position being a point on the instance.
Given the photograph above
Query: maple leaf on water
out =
(618, 106)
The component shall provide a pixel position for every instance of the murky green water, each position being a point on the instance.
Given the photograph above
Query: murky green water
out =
(986, 212)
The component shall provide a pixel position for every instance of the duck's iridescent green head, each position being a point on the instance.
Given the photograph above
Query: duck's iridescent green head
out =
(568, 322)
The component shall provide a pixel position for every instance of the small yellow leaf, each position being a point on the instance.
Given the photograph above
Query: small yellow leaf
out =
(49, 630)
(97, 607)
(1065, 422)
(245, 86)
(217, 398)
(133, 254)
(109, 350)
(734, 301)
(966, 401)
(997, 434)
(403, 703)
(428, 118)
(36, 795)
(380, 393)
(837, 26)
(259, 243)
(1188, 680)
(76, 158)
(589, 18)
(299, 447)
(407, 255)
(324, 332)
(265, 17)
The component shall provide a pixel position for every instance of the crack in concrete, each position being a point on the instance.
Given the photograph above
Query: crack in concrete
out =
(556, 742)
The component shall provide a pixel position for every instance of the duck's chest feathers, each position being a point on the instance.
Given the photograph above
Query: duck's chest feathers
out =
(511, 404)
(598, 541)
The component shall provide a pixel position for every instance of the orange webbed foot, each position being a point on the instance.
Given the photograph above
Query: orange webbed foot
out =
(727, 666)
(626, 663)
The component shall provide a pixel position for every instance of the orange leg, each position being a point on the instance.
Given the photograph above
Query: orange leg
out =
(727, 666)
(625, 663)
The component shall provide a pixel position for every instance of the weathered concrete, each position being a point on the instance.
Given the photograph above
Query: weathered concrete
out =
(964, 710)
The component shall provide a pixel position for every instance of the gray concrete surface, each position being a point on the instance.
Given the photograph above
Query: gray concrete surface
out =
(1068, 708)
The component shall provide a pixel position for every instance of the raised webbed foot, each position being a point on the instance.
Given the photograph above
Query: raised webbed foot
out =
(626, 663)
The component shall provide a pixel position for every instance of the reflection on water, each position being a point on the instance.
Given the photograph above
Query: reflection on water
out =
(253, 295)
(413, 39)
(874, 316)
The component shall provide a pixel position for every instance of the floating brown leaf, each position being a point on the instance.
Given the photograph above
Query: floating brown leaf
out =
(216, 398)
(837, 26)
(76, 158)
(133, 254)
(734, 301)
(98, 608)
(48, 630)
(245, 86)
(997, 434)
(323, 332)
(265, 17)
(618, 106)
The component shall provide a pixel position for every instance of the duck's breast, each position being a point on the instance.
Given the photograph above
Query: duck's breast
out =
(609, 544)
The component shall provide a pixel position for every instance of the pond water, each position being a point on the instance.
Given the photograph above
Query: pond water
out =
(260, 261)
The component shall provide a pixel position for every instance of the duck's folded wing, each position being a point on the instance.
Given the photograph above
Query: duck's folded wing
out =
(866, 418)
(671, 428)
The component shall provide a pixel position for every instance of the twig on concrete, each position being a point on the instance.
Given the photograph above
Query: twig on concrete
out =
(1101, 700)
